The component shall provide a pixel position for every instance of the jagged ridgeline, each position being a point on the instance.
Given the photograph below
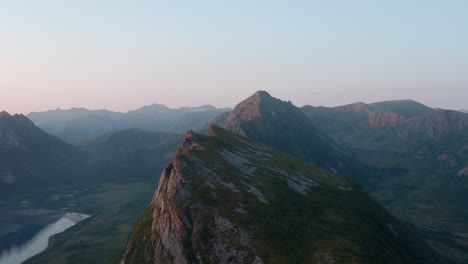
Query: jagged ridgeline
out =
(226, 199)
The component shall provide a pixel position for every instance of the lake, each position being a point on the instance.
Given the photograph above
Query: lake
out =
(26, 233)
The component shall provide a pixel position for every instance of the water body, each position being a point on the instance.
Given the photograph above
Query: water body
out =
(22, 240)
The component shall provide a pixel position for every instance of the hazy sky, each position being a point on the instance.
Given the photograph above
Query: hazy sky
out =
(124, 54)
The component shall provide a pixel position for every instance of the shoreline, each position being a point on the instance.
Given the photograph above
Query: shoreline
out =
(67, 221)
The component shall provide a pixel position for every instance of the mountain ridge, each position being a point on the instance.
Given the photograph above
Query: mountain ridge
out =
(432, 151)
(27, 153)
(286, 127)
(201, 211)
(79, 124)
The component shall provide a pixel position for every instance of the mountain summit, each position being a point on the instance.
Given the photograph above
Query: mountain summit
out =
(284, 126)
(430, 147)
(4, 113)
(28, 155)
(227, 199)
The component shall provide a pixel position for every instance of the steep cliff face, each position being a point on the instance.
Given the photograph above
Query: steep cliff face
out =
(399, 126)
(284, 126)
(431, 145)
(227, 199)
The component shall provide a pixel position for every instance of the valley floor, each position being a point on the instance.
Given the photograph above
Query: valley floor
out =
(416, 197)
(101, 238)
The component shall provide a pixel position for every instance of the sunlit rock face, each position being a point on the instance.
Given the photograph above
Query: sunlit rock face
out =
(227, 199)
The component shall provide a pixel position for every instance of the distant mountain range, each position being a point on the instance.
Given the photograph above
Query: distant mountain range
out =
(29, 156)
(284, 126)
(79, 124)
(227, 199)
(431, 145)
(463, 110)
(397, 126)
(32, 159)
(389, 148)
(411, 158)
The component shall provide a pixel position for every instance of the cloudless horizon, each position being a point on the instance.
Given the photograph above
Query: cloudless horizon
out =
(121, 55)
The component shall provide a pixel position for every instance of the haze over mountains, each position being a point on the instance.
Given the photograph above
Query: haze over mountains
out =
(284, 126)
(393, 126)
(409, 157)
(420, 150)
(30, 158)
(79, 124)
(430, 144)
(274, 122)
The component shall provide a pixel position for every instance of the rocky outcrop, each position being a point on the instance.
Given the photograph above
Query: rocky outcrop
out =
(413, 128)
(385, 119)
(182, 230)
(282, 125)
(429, 148)
(226, 199)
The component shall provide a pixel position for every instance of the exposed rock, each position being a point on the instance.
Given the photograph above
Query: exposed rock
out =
(209, 209)
(284, 126)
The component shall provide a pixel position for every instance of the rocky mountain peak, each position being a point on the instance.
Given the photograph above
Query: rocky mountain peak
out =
(189, 142)
(262, 95)
(282, 125)
(261, 105)
(4, 113)
(238, 201)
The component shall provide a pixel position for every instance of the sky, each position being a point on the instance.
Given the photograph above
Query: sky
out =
(121, 55)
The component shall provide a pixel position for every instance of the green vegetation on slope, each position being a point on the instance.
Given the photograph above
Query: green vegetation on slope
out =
(291, 211)
(100, 238)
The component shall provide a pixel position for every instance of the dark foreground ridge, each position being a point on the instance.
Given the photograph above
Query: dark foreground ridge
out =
(227, 199)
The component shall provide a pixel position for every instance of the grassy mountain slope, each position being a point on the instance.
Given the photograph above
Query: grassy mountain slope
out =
(128, 155)
(110, 177)
(227, 199)
(284, 126)
(431, 145)
(29, 157)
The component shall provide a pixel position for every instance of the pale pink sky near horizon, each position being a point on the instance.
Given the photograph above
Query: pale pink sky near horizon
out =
(121, 55)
